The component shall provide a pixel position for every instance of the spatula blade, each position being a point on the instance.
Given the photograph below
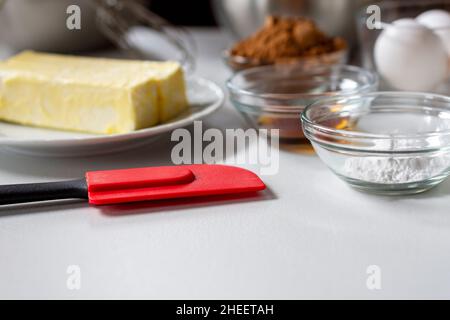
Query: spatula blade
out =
(208, 180)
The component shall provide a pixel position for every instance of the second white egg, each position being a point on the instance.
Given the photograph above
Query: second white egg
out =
(439, 22)
(409, 56)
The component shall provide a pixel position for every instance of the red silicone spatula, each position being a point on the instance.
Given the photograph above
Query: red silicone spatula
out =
(142, 184)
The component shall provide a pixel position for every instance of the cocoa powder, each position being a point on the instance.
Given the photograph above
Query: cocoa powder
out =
(282, 39)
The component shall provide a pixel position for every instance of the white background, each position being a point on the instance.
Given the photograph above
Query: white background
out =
(309, 236)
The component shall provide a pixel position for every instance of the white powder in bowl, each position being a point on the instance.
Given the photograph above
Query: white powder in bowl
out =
(390, 170)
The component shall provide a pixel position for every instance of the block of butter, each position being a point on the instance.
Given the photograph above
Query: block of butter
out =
(86, 94)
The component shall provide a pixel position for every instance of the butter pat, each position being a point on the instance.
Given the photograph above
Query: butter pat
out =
(89, 94)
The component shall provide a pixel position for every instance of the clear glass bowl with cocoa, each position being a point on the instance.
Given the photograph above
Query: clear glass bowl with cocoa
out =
(273, 97)
(287, 41)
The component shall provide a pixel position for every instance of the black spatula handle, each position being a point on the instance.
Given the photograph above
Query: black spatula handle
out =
(31, 192)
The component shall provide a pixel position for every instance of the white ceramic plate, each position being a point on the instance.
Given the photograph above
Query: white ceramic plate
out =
(204, 98)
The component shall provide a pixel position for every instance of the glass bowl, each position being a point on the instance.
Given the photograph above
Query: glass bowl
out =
(405, 48)
(238, 63)
(273, 97)
(384, 142)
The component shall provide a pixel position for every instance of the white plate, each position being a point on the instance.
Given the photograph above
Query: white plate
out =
(204, 98)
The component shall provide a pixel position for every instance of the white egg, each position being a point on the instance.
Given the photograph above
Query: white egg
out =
(406, 22)
(439, 21)
(409, 56)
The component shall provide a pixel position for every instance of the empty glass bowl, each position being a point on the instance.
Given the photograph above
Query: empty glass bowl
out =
(384, 142)
(273, 97)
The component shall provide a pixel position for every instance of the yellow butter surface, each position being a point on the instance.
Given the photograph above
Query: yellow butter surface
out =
(89, 94)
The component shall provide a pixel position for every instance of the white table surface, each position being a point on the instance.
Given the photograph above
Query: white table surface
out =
(311, 236)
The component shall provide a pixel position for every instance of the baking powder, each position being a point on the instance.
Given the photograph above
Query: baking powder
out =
(390, 170)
